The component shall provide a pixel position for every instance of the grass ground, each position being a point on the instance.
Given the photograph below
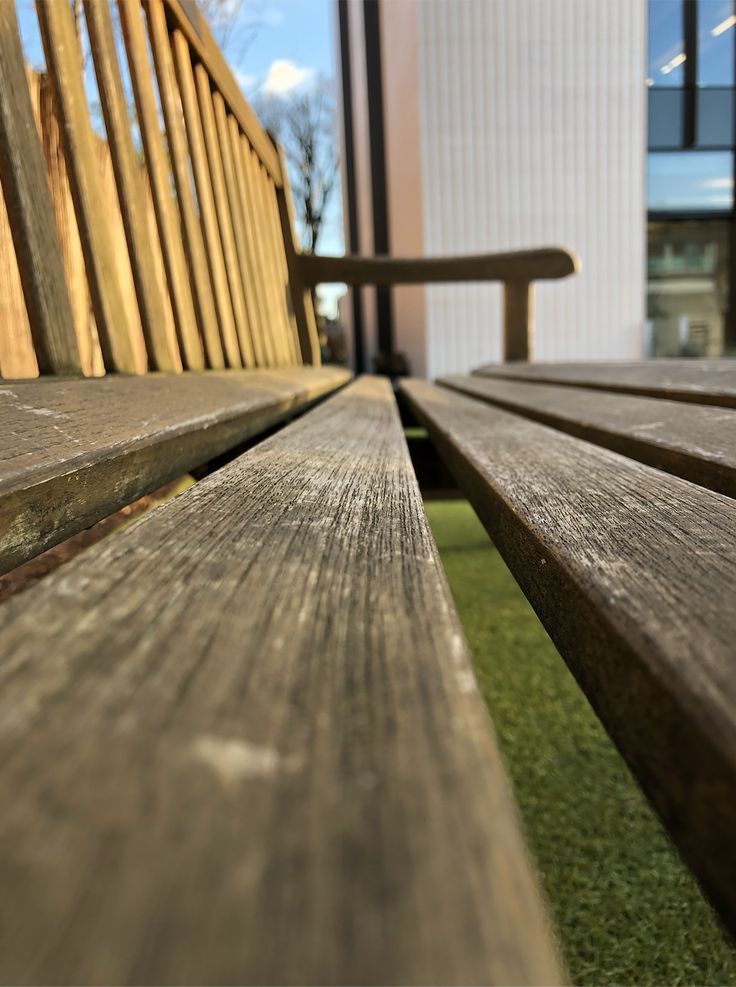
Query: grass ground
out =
(626, 909)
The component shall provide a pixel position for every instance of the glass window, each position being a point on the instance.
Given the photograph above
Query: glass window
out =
(716, 25)
(695, 180)
(687, 287)
(666, 43)
(714, 116)
(666, 118)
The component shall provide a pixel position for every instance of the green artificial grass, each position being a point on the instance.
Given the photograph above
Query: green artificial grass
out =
(626, 909)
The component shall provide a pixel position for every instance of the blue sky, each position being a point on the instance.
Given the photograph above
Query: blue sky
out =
(297, 32)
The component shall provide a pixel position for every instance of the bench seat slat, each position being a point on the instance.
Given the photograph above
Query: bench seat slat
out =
(692, 441)
(76, 450)
(632, 571)
(242, 742)
(699, 381)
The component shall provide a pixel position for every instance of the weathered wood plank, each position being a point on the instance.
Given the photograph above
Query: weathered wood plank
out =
(205, 197)
(179, 156)
(252, 275)
(273, 765)
(64, 62)
(274, 238)
(129, 183)
(632, 572)
(222, 212)
(270, 230)
(274, 304)
(692, 441)
(159, 170)
(238, 227)
(699, 381)
(297, 265)
(30, 212)
(74, 451)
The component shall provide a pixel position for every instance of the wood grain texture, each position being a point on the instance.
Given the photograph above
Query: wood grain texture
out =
(692, 441)
(277, 274)
(299, 283)
(72, 252)
(205, 198)
(130, 188)
(179, 156)
(272, 766)
(30, 212)
(159, 170)
(275, 238)
(525, 265)
(699, 381)
(247, 159)
(64, 62)
(269, 275)
(235, 203)
(222, 211)
(632, 572)
(64, 464)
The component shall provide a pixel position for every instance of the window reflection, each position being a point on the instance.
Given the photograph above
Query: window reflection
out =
(716, 26)
(666, 43)
(687, 290)
(690, 180)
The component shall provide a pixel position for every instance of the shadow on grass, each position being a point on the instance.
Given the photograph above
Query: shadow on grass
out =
(626, 909)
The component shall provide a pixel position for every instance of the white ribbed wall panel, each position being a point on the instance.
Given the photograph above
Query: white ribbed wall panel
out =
(533, 131)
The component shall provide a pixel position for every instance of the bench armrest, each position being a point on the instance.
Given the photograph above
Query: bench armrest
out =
(517, 269)
(516, 265)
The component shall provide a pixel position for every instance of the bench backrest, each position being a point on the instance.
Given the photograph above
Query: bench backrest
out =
(208, 245)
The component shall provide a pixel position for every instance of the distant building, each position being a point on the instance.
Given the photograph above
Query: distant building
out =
(690, 189)
(482, 125)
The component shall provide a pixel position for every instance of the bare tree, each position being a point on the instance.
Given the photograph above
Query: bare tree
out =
(304, 122)
(224, 16)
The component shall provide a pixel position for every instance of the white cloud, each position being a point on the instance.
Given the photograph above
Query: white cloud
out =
(245, 80)
(717, 183)
(284, 75)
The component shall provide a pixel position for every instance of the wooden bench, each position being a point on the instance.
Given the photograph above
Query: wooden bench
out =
(241, 741)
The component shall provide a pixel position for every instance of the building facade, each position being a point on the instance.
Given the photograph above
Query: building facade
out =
(484, 125)
(690, 188)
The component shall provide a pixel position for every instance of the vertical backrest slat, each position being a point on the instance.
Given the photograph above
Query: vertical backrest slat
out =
(277, 246)
(272, 239)
(222, 212)
(236, 212)
(241, 149)
(193, 241)
(278, 309)
(169, 228)
(121, 258)
(129, 182)
(205, 196)
(17, 353)
(31, 216)
(72, 251)
(175, 262)
(64, 62)
(301, 296)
